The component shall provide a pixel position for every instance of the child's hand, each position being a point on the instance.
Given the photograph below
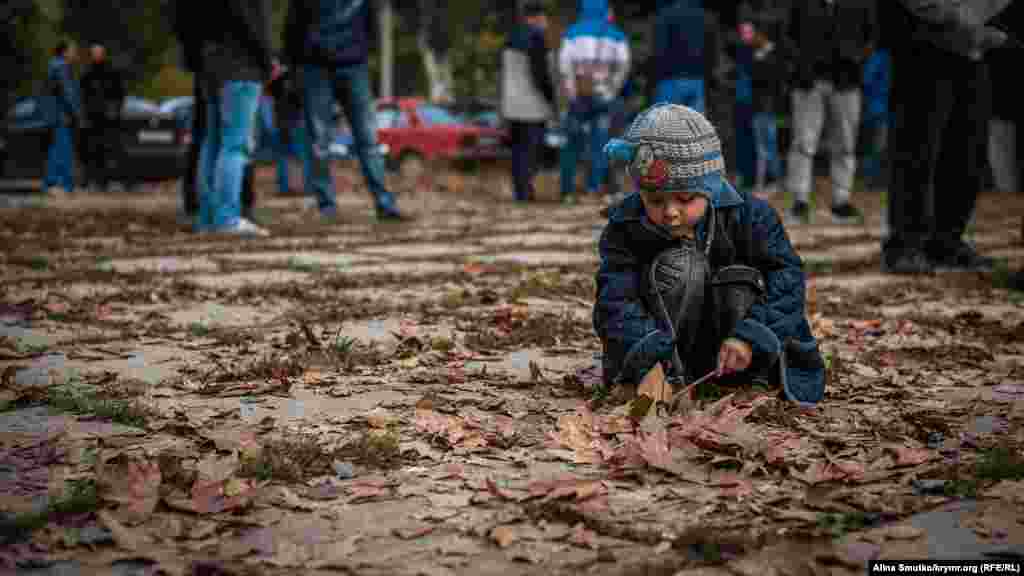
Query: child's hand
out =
(734, 356)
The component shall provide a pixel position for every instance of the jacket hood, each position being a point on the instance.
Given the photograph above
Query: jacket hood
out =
(593, 10)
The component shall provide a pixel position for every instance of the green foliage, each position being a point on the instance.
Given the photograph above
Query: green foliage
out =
(79, 497)
(79, 399)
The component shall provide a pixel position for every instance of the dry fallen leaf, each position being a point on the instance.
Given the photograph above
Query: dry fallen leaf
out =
(903, 532)
(655, 386)
(379, 419)
(908, 456)
(582, 537)
(134, 484)
(133, 539)
(503, 536)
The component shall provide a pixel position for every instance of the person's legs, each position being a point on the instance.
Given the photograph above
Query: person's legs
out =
(808, 118)
(357, 100)
(237, 119)
(66, 158)
(318, 96)
(764, 124)
(921, 104)
(845, 120)
(600, 125)
(569, 154)
(518, 131)
(959, 174)
(534, 142)
(189, 186)
(1002, 154)
(209, 149)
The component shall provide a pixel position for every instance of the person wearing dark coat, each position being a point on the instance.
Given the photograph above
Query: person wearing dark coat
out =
(328, 42)
(527, 95)
(684, 54)
(65, 117)
(695, 275)
(102, 97)
(941, 102)
(235, 62)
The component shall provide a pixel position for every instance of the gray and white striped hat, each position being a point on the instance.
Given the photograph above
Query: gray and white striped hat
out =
(671, 147)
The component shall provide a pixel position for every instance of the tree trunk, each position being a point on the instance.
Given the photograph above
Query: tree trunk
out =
(439, 71)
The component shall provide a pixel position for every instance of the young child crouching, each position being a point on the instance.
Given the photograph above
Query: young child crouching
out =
(696, 275)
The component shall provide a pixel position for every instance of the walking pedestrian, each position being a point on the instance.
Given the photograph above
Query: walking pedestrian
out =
(941, 104)
(765, 21)
(236, 59)
(328, 42)
(527, 95)
(65, 116)
(102, 98)
(831, 40)
(681, 59)
(593, 61)
(188, 29)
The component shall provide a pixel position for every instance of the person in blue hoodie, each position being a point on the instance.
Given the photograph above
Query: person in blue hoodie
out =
(328, 43)
(65, 115)
(593, 61)
(682, 29)
(695, 275)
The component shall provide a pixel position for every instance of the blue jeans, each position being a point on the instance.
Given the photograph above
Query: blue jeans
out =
(226, 151)
(582, 113)
(686, 91)
(351, 85)
(277, 144)
(60, 163)
(769, 165)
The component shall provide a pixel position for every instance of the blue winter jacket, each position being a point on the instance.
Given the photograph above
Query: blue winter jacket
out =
(594, 48)
(679, 40)
(634, 340)
(329, 32)
(64, 102)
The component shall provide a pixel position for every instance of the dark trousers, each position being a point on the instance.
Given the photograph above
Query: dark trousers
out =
(188, 188)
(101, 143)
(527, 138)
(941, 105)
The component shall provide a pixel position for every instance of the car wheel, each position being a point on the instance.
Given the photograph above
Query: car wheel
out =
(411, 168)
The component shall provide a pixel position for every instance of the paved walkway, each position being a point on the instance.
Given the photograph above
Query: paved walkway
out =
(435, 375)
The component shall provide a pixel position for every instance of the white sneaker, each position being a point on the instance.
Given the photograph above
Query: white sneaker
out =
(310, 204)
(56, 192)
(246, 227)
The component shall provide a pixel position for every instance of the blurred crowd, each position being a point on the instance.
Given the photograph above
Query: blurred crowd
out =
(911, 96)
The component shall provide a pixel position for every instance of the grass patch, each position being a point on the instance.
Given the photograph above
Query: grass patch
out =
(838, 525)
(78, 497)
(78, 399)
(290, 459)
(374, 449)
(300, 265)
(199, 330)
(818, 266)
(38, 263)
(1000, 463)
(347, 352)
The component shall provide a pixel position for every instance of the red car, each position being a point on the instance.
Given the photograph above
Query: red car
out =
(416, 131)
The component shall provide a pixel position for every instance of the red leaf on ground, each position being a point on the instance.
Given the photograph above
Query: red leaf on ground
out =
(134, 484)
(498, 491)
(908, 456)
(580, 536)
(825, 471)
(452, 470)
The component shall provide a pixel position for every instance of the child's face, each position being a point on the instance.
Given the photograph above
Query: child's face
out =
(677, 211)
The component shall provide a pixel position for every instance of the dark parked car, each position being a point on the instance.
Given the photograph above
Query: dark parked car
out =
(153, 146)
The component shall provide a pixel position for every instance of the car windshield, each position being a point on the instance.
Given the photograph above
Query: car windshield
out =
(136, 105)
(436, 116)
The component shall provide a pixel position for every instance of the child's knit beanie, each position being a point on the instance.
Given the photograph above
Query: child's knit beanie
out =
(671, 147)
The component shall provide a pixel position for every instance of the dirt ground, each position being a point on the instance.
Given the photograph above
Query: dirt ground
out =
(362, 398)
